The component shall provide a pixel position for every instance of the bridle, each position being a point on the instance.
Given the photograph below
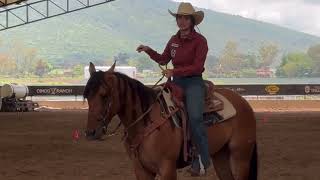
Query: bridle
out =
(102, 128)
(104, 116)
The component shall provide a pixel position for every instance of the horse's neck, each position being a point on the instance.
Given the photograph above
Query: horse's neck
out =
(132, 110)
(132, 114)
(129, 115)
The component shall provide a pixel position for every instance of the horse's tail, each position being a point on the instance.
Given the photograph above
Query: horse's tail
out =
(253, 174)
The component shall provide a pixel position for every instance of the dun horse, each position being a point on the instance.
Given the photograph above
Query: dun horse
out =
(232, 143)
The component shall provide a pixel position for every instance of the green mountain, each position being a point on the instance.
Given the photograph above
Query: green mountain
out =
(102, 32)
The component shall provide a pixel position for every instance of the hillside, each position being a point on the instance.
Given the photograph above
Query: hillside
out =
(101, 32)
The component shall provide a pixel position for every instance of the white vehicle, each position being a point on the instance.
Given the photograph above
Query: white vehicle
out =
(127, 70)
(9, 2)
(13, 98)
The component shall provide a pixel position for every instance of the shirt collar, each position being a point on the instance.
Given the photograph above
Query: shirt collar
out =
(190, 36)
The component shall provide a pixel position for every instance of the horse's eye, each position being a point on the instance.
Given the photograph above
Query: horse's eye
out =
(103, 96)
(105, 99)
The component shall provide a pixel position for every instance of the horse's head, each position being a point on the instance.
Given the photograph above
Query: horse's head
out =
(100, 92)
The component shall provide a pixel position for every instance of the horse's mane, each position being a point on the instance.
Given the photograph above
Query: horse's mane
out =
(146, 95)
(93, 83)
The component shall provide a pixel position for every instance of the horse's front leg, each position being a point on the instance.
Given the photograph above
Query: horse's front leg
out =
(168, 170)
(142, 173)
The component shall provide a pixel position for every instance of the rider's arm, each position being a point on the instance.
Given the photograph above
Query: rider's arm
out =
(163, 58)
(197, 67)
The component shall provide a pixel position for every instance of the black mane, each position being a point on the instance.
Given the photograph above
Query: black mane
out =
(146, 95)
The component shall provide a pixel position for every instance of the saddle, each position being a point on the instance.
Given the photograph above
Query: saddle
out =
(173, 97)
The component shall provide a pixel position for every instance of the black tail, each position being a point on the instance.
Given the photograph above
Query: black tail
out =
(253, 174)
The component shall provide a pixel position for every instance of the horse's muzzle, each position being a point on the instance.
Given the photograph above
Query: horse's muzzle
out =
(96, 134)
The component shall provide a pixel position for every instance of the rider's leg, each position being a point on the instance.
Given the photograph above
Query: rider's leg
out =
(195, 94)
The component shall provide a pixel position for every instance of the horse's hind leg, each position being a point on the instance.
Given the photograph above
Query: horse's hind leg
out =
(240, 160)
(221, 162)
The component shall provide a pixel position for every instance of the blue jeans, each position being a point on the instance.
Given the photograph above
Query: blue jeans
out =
(194, 91)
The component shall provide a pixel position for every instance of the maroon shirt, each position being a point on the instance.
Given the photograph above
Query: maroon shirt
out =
(188, 55)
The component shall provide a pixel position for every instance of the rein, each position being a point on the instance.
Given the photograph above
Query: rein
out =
(144, 114)
(104, 118)
(161, 77)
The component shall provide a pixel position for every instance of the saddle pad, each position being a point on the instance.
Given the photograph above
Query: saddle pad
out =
(228, 110)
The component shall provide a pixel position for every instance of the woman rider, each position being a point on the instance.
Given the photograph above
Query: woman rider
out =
(188, 51)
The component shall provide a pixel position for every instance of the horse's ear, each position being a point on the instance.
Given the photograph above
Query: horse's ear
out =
(92, 68)
(112, 67)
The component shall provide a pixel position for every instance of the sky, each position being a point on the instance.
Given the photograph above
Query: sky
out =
(300, 15)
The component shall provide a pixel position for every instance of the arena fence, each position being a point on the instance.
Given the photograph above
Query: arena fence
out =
(245, 90)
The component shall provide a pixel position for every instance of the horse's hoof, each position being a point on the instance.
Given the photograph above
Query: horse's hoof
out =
(196, 173)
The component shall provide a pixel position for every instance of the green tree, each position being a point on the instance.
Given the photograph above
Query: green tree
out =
(7, 65)
(230, 59)
(25, 58)
(133, 62)
(122, 59)
(42, 67)
(78, 70)
(267, 53)
(248, 61)
(212, 66)
(314, 53)
(143, 62)
(295, 65)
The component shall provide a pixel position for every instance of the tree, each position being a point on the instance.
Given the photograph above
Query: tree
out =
(109, 62)
(133, 62)
(230, 59)
(314, 53)
(295, 65)
(42, 67)
(78, 70)
(25, 58)
(211, 66)
(8, 65)
(267, 53)
(248, 61)
(122, 58)
(142, 62)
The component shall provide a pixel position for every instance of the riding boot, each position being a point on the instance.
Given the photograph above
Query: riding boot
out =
(197, 168)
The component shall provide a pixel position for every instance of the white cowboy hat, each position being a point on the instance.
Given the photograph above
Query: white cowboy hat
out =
(187, 9)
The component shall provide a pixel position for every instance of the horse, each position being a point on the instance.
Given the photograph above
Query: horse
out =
(232, 143)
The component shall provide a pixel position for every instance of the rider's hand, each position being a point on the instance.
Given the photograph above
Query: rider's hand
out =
(168, 73)
(143, 48)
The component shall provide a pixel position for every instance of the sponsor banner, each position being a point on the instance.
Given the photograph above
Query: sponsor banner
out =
(55, 90)
(272, 89)
(312, 89)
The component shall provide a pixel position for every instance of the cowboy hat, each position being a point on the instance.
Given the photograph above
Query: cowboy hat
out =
(187, 9)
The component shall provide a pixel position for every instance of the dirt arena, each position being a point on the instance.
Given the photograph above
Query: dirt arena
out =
(39, 146)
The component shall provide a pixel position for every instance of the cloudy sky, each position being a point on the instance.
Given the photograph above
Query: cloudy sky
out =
(301, 15)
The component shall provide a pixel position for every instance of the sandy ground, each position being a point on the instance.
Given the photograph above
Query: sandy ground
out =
(39, 146)
(257, 105)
